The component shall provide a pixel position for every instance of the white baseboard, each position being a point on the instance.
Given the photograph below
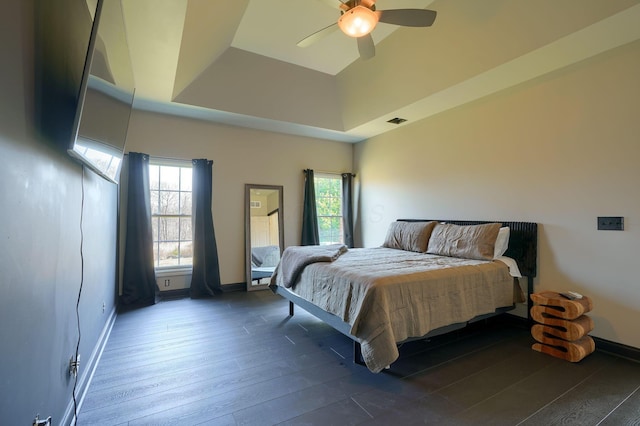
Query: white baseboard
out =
(87, 372)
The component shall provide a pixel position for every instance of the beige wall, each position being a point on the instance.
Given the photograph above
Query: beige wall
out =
(559, 151)
(240, 156)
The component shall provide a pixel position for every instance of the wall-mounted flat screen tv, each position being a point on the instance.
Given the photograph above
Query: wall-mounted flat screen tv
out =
(106, 95)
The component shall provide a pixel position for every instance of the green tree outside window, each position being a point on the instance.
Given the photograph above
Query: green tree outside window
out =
(329, 208)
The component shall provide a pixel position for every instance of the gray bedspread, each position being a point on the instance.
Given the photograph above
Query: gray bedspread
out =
(389, 295)
(296, 258)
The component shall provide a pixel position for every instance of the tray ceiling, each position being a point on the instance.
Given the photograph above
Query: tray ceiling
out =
(237, 62)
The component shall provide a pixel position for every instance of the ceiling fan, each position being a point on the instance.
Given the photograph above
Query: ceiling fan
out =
(359, 17)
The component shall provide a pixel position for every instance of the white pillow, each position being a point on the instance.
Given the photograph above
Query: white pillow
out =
(502, 242)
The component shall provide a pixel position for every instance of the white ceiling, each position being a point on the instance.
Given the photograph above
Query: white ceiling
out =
(237, 62)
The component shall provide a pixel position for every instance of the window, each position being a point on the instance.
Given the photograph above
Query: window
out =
(170, 185)
(329, 208)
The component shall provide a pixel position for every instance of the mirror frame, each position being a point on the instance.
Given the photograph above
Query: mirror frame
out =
(247, 228)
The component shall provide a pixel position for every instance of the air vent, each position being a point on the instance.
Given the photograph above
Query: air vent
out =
(255, 204)
(397, 120)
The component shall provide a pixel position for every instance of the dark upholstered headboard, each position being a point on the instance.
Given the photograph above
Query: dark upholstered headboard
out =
(523, 241)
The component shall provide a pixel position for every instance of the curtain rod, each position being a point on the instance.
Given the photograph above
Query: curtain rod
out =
(173, 160)
(157, 157)
(323, 172)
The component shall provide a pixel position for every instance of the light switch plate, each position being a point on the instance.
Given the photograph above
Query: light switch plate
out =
(610, 223)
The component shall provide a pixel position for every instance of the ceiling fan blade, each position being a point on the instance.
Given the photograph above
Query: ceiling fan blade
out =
(309, 40)
(407, 17)
(366, 47)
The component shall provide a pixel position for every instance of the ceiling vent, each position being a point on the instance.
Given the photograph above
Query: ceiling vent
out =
(397, 120)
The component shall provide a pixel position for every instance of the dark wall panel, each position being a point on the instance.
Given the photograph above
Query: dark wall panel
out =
(40, 264)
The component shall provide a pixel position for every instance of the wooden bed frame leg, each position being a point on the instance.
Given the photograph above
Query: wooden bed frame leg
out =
(290, 309)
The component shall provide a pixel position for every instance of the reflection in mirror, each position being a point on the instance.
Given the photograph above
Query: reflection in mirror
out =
(264, 236)
(106, 95)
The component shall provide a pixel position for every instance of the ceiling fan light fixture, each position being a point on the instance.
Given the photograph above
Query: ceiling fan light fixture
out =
(358, 21)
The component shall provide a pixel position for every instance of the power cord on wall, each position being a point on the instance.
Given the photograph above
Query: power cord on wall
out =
(75, 363)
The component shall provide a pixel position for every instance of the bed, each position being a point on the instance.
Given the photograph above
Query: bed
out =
(426, 279)
(263, 261)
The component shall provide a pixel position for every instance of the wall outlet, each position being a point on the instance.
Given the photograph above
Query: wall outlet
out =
(41, 422)
(74, 366)
(610, 223)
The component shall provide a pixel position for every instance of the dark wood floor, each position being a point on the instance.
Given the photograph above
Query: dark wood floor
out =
(239, 359)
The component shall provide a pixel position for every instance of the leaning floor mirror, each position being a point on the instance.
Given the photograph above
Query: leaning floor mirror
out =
(264, 236)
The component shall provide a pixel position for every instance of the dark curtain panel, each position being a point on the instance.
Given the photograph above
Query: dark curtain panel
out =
(310, 235)
(347, 208)
(139, 285)
(205, 280)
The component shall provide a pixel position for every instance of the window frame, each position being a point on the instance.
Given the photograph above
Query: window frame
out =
(184, 268)
(339, 216)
